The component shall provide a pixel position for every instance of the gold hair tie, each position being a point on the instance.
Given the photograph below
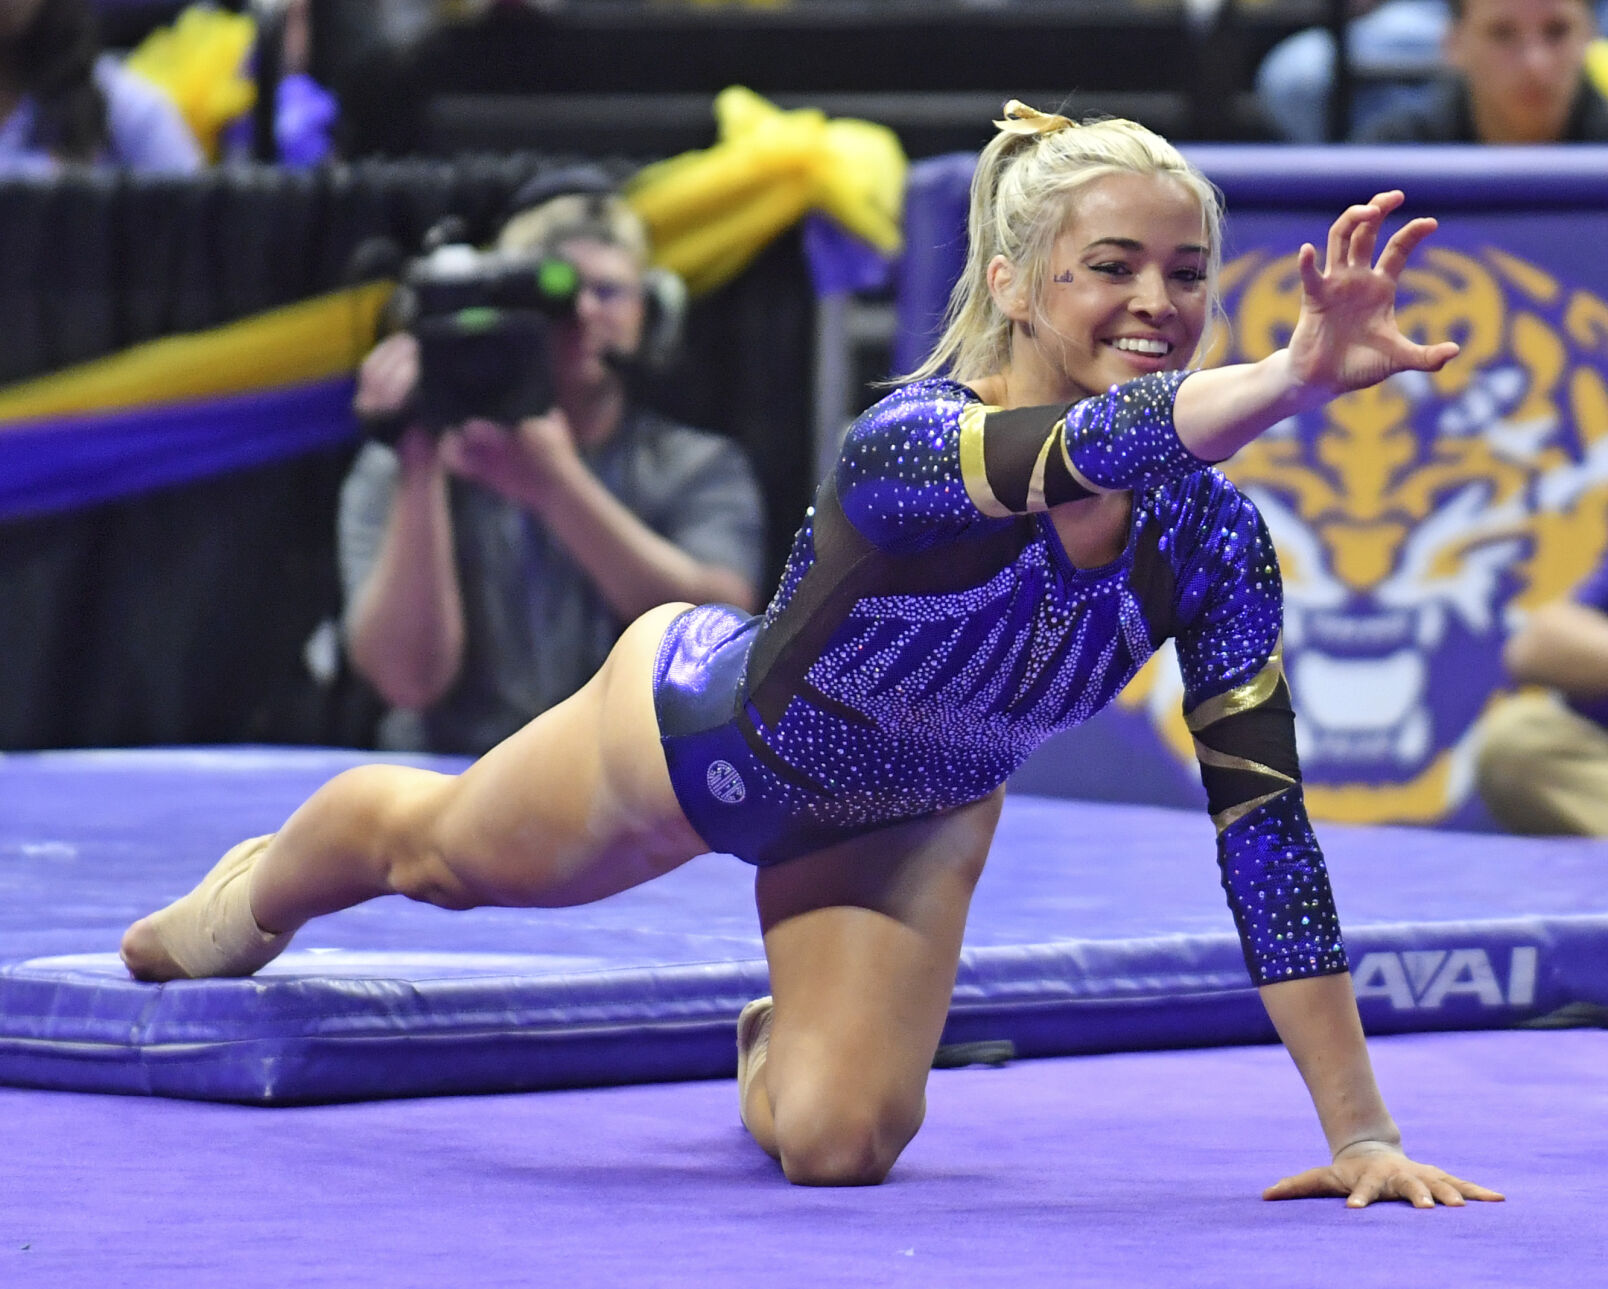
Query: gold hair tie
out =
(1022, 119)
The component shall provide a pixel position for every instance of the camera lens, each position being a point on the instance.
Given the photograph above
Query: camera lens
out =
(558, 280)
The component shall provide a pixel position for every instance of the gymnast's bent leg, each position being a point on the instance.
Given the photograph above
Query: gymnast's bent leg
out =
(863, 941)
(575, 806)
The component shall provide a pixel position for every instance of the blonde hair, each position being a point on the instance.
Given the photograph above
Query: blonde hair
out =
(597, 217)
(1021, 200)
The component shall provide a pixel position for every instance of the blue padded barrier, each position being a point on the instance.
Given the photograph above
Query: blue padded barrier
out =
(1096, 928)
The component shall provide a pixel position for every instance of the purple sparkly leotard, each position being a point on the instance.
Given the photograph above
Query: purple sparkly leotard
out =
(929, 632)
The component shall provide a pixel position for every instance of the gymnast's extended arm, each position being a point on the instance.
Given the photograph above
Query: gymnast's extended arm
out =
(912, 462)
(932, 460)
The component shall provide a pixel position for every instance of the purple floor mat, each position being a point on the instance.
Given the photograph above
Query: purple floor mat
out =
(1096, 928)
(1124, 1171)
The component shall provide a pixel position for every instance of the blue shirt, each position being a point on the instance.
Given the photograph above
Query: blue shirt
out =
(144, 127)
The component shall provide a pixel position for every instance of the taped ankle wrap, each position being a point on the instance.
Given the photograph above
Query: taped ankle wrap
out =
(211, 931)
(753, 1041)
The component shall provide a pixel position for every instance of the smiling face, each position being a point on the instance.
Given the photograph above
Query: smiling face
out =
(1126, 291)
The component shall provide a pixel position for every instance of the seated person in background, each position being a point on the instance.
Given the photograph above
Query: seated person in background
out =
(1543, 758)
(489, 570)
(1519, 76)
(64, 101)
(1389, 43)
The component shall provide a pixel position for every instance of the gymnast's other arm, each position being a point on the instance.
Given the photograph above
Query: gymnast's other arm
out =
(1239, 713)
(1318, 1022)
(1023, 450)
(1316, 1015)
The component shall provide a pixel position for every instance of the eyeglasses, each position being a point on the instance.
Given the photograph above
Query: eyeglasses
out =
(610, 291)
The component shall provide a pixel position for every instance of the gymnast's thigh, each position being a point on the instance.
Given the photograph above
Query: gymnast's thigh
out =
(578, 804)
(863, 940)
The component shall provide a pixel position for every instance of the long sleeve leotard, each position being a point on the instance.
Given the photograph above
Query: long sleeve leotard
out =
(930, 631)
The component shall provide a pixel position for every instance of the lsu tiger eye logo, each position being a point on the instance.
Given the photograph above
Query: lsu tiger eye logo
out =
(1416, 521)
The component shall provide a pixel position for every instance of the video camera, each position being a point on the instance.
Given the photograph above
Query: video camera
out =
(483, 321)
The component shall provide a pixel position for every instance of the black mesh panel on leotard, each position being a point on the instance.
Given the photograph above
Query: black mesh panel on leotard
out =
(847, 568)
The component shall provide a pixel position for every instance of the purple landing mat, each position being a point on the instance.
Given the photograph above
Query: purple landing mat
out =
(1097, 927)
(1122, 1171)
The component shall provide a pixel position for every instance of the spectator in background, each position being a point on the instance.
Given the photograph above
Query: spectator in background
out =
(1543, 758)
(63, 100)
(1518, 77)
(1389, 44)
(489, 571)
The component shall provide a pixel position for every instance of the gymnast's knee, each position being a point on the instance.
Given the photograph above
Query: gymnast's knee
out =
(428, 877)
(406, 837)
(841, 1144)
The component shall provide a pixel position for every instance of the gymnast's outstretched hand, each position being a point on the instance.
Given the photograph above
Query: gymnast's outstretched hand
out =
(1374, 1170)
(1347, 337)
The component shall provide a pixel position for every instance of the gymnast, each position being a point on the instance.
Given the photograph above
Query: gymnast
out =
(995, 554)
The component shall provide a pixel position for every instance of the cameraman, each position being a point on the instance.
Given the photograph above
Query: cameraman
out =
(489, 568)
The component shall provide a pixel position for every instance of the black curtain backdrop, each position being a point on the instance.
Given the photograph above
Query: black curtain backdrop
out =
(180, 616)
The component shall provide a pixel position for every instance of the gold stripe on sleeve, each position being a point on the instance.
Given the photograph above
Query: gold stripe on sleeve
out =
(1081, 479)
(1253, 693)
(1035, 485)
(1223, 818)
(973, 464)
(1223, 761)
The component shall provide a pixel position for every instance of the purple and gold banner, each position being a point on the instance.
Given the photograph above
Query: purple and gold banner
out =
(187, 406)
(1418, 521)
(64, 463)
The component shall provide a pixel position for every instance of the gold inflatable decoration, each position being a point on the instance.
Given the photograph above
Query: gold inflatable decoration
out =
(711, 211)
(201, 63)
(1597, 64)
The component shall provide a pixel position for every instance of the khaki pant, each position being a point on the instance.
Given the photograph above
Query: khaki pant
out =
(1543, 769)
